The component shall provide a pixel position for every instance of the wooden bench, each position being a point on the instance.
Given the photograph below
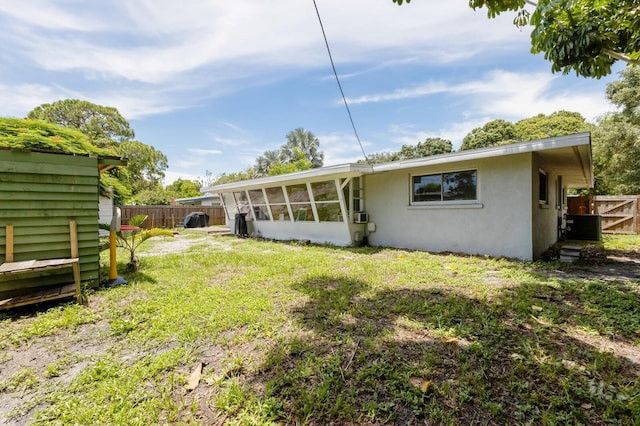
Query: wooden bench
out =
(11, 268)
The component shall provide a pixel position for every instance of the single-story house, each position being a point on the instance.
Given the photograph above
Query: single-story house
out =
(202, 200)
(506, 200)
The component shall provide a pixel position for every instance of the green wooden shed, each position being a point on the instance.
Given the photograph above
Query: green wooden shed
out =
(40, 192)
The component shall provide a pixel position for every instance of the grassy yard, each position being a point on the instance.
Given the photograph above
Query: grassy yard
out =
(293, 334)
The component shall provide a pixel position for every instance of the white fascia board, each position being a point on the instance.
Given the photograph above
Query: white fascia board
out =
(340, 170)
(493, 151)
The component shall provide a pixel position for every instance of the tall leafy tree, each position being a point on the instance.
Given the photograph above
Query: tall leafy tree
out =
(585, 36)
(306, 142)
(426, 148)
(496, 132)
(104, 126)
(267, 160)
(146, 166)
(616, 141)
(556, 124)
(184, 188)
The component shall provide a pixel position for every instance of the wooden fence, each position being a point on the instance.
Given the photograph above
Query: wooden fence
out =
(171, 216)
(620, 214)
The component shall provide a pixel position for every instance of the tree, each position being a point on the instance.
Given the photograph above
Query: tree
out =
(146, 166)
(427, 148)
(582, 35)
(558, 123)
(616, 141)
(297, 163)
(184, 188)
(616, 156)
(625, 93)
(380, 157)
(266, 161)
(307, 143)
(104, 126)
(496, 132)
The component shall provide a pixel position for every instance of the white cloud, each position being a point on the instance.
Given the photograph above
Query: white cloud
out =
(205, 151)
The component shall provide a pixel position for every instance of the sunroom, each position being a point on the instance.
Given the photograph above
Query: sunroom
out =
(320, 205)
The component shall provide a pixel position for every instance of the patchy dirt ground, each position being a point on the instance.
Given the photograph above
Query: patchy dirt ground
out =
(72, 352)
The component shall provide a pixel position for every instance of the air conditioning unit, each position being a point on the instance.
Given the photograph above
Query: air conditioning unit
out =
(360, 217)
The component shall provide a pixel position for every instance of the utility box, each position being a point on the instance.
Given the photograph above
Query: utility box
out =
(585, 227)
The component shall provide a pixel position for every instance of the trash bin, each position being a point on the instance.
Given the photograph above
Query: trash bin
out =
(241, 225)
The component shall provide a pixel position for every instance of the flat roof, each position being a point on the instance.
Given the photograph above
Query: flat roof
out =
(572, 151)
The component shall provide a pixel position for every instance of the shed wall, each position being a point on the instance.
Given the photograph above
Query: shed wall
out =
(499, 225)
(39, 193)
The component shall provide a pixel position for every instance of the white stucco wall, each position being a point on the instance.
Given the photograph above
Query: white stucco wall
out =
(545, 216)
(500, 225)
(336, 233)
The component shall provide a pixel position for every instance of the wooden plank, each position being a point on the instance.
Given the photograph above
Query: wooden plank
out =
(9, 268)
(51, 293)
(9, 244)
(609, 209)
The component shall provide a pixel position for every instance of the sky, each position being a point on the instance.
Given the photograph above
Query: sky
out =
(214, 84)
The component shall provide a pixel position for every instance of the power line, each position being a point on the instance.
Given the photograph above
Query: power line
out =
(346, 104)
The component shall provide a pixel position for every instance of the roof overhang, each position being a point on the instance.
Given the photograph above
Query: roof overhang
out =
(569, 156)
(107, 163)
(311, 175)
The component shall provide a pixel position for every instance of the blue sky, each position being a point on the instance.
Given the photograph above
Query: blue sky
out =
(213, 84)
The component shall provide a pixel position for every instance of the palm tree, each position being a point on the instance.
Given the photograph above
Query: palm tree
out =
(307, 143)
(265, 162)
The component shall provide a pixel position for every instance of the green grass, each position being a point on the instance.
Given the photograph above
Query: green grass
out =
(293, 334)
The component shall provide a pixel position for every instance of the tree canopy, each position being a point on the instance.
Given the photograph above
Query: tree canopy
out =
(616, 140)
(103, 125)
(496, 132)
(426, 148)
(300, 152)
(585, 36)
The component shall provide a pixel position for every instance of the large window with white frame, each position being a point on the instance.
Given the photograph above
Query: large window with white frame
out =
(325, 196)
(277, 203)
(259, 204)
(300, 203)
(445, 187)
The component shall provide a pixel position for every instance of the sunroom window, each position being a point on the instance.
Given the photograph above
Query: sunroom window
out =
(325, 195)
(447, 187)
(278, 204)
(259, 204)
(300, 203)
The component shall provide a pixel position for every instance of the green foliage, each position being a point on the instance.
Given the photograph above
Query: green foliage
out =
(145, 168)
(585, 36)
(247, 174)
(559, 123)
(300, 149)
(131, 240)
(496, 132)
(616, 156)
(616, 141)
(184, 188)
(43, 136)
(380, 157)
(104, 126)
(427, 148)
(157, 196)
(296, 163)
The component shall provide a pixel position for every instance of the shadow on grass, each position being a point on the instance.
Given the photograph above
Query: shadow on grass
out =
(439, 357)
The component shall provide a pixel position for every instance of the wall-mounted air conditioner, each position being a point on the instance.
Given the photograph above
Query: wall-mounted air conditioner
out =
(360, 217)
